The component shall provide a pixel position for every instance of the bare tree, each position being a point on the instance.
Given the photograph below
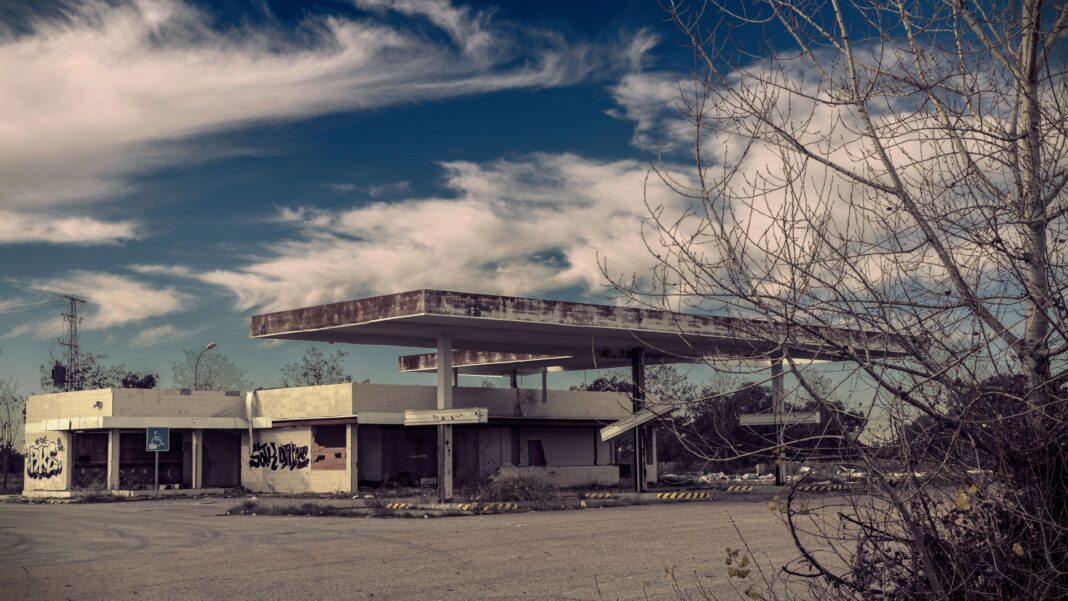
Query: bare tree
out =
(898, 168)
(12, 416)
(214, 372)
(316, 368)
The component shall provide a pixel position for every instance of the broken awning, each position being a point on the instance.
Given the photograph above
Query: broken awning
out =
(632, 421)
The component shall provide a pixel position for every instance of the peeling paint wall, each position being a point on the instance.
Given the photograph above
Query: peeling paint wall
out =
(48, 461)
(274, 462)
(280, 461)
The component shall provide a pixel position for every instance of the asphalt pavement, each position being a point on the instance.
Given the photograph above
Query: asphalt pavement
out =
(188, 549)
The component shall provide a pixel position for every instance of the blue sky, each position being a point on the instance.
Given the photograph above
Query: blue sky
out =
(183, 166)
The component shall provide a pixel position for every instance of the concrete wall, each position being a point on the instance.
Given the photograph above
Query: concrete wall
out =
(49, 462)
(132, 402)
(574, 475)
(502, 402)
(346, 399)
(318, 401)
(275, 466)
(562, 446)
(58, 405)
(280, 461)
(305, 401)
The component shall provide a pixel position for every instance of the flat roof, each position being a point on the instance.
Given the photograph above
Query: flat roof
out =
(506, 329)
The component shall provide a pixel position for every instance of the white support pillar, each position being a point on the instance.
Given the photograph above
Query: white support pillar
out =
(652, 471)
(67, 457)
(113, 459)
(353, 456)
(777, 398)
(197, 471)
(444, 382)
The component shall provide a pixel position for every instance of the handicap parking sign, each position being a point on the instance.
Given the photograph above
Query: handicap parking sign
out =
(157, 439)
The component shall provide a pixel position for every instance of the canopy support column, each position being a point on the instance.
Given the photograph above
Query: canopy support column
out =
(637, 380)
(777, 395)
(114, 451)
(445, 385)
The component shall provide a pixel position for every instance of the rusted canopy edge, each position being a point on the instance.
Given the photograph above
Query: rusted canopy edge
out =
(534, 326)
(324, 317)
(495, 363)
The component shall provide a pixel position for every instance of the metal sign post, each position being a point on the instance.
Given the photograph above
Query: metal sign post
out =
(157, 440)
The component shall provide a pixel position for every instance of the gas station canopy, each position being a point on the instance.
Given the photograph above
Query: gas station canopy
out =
(497, 334)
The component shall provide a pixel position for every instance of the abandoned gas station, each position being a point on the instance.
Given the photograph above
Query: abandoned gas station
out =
(334, 438)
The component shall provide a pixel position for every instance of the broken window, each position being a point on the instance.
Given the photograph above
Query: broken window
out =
(329, 448)
(536, 453)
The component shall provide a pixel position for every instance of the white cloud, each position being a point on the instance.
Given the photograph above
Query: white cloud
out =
(32, 226)
(653, 102)
(156, 335)
(100, 95)
(153, 269)
(514, 227)
(112, 300)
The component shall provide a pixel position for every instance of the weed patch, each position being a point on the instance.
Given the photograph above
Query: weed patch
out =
(520, 488)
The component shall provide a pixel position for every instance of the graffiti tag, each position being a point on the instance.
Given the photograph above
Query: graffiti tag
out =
(43, 460)
(270, 455)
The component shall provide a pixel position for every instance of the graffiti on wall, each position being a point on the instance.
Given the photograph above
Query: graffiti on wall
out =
(270, 455)
(43, 458)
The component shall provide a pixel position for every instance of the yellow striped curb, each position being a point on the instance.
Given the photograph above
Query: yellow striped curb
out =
(820, 487)
(739, 488)
(681, 495)
(399, 506)
(500, 507)
(597, 495)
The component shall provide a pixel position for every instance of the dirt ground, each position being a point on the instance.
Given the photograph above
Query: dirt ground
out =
(187, 549)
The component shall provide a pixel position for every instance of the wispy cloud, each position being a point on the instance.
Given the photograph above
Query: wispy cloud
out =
(113, 300)
(105, 91)
(23, 226)
(516, 227)
(157, 335)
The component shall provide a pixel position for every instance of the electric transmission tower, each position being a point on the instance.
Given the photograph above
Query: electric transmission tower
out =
(71, 317)
(66, 375)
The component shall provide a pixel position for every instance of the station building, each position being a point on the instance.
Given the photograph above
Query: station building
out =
(320, 439)
(333, 438)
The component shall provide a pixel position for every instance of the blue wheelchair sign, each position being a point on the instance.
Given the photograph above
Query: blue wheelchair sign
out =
(158, 439)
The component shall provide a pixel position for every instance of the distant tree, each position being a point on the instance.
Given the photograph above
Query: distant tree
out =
(664, 384)
(91, 374)
(136, 380)
(215, 372)
(612, 382)
(12, 416)
(316, 368)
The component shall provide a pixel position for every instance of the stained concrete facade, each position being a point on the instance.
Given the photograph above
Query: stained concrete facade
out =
(310, 439)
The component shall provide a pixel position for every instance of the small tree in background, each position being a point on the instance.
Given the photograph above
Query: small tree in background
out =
(139, 380)
(316, 368)
(12, 416)
(92, 373)
(215, 372)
